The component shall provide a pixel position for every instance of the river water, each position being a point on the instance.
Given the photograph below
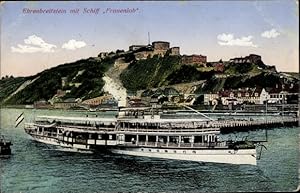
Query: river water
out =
(36, 167)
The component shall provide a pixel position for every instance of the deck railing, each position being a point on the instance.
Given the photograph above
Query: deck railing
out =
(179, 145)
(208, 126)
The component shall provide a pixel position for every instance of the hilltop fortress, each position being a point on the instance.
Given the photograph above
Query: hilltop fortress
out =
(162, 48)
(159, 48)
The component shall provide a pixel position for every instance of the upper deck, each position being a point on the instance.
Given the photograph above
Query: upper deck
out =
(126, 125)
(75, 120)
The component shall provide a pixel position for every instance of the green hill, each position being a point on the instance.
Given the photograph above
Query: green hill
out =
(8, 85)
(152, 72)
(49, 81)
(83, 78)
(262, 79)
(169, 70)
(160, 71)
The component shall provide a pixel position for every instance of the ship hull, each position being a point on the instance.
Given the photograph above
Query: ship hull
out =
(226, 156)
(215, 155)
(62, 146)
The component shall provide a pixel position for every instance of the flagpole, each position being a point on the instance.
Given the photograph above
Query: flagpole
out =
(19, 119)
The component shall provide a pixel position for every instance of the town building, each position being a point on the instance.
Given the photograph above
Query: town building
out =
(194, 60)
(252, 58)
(136, 102)
(97, 100)
(217, 66)
(211, 98)
(256, 96)
(160, 47)
(66, 104)
(142, 55)
(41, 104)
(136, 47)
(244, 95)
(175, 51)
(277, 96)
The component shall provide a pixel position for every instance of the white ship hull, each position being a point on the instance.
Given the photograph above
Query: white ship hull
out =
(61, 145)
(227, 156)
(243, 156)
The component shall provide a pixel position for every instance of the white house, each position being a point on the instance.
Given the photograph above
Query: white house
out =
(211, 98)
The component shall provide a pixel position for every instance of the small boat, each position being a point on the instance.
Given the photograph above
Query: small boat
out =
(4, 146)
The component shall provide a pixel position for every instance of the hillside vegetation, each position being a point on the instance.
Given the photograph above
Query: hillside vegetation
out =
(9, 85)
(152, 72)
(156, 72)
(50, 80)
(83, 78)
(263, 80)
(160, 71)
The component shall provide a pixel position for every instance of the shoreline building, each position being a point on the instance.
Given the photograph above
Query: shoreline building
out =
(237, 96)
(93, 102)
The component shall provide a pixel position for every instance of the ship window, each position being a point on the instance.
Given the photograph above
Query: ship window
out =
(166, 151)
(185, 139)
(198, 139)
(157, 150)
(216, 139)
(130, 138)
(151, 138)
(183, 151)
(142, 138)
(174, 151)
(194, 151)
(94, 136)
(142, 149)
(149, 149)
(114, 137)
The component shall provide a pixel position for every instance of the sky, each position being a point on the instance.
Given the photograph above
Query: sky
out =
(63, 32)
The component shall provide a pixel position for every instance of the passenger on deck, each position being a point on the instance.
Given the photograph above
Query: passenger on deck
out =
(132, 141)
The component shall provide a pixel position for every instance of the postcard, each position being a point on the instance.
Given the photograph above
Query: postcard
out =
(149, 96)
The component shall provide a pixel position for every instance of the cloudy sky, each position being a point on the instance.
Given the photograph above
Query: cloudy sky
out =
(67, 31)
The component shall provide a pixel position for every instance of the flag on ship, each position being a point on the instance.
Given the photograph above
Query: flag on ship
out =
(19, 119)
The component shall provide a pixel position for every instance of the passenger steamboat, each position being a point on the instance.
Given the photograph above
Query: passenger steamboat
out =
(143, 132)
